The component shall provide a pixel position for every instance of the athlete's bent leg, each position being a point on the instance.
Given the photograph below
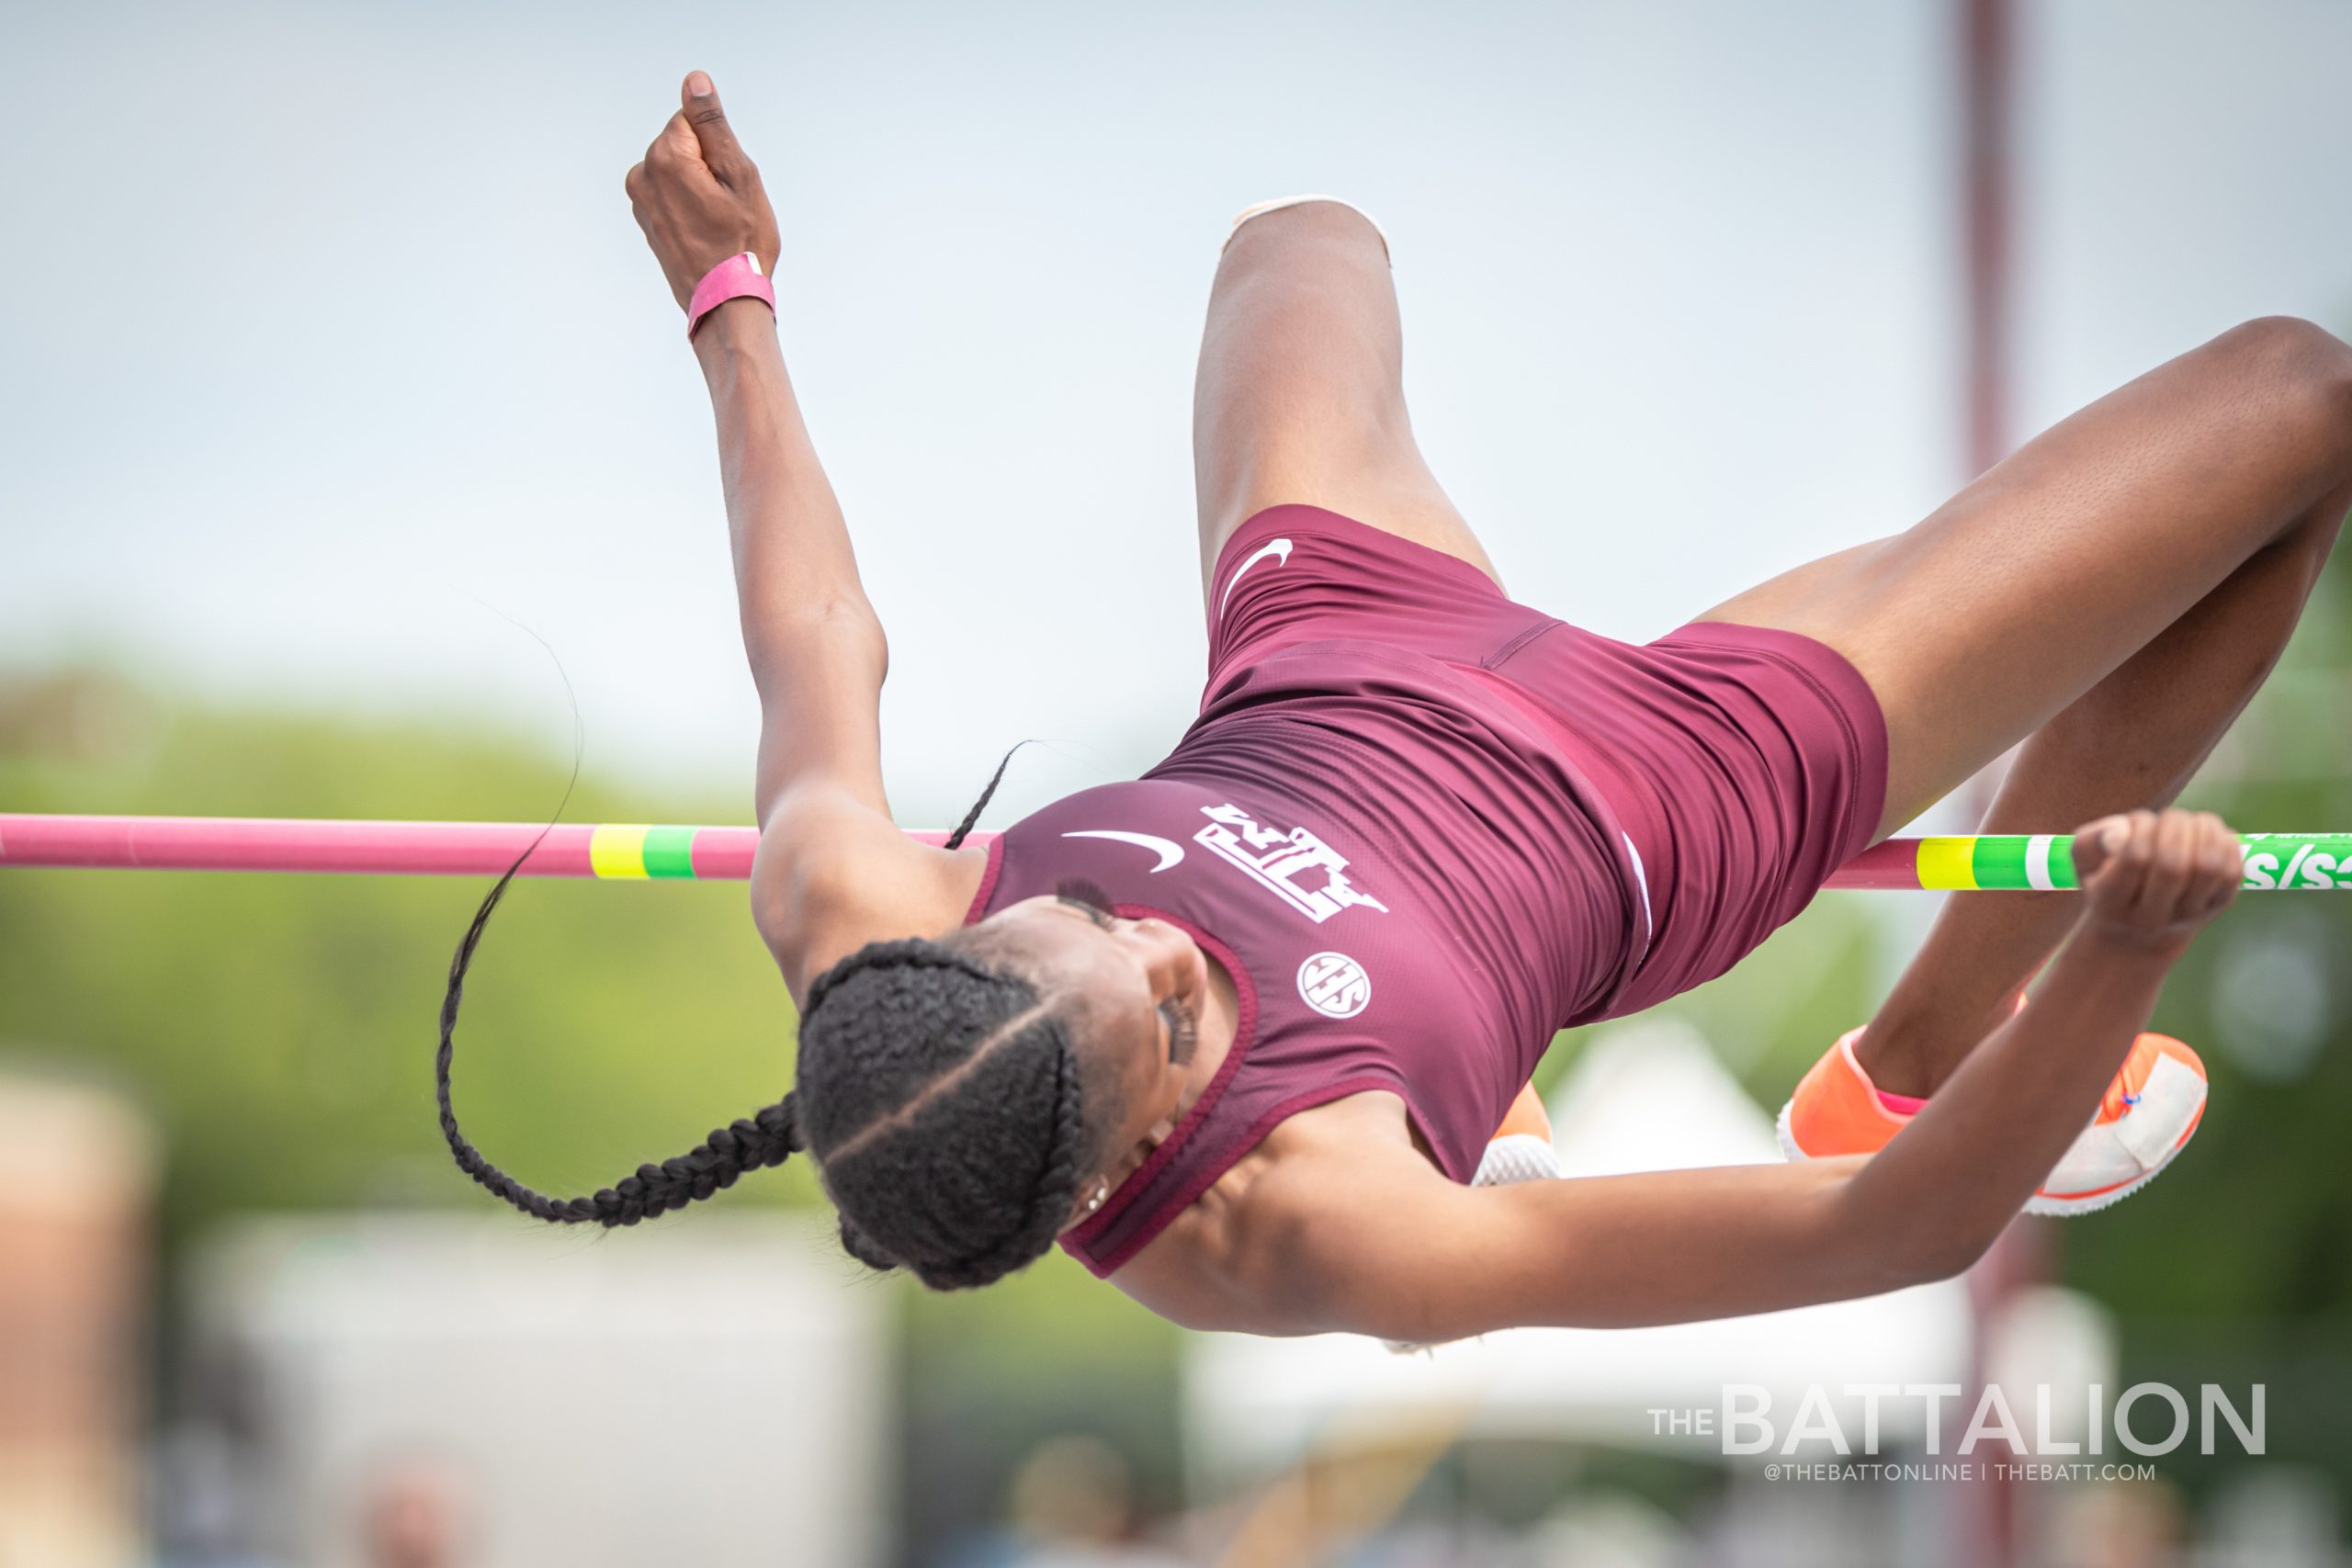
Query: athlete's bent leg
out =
(2208, 495)
(2130, 742)
(1300, 395)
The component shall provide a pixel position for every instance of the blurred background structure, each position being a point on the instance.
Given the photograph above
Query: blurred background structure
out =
(77, 1175)
(1694, 291)
(436, 1390)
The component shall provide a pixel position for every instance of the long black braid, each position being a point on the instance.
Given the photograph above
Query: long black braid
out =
(767, 1137)
(943, 1096)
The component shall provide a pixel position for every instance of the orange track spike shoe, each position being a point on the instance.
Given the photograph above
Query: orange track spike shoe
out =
(2146, 1117)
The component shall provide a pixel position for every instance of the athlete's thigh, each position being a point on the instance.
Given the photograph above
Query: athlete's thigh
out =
(1300, 394)
(1982, 622)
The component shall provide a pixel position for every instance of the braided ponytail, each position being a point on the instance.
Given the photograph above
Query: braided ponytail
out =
(767, 1137)
(941, 1095)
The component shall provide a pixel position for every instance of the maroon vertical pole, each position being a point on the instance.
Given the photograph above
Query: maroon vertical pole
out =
(1987, 29)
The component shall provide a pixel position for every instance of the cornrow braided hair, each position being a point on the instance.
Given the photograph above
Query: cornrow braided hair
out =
(942, 1097)
(941, 1094)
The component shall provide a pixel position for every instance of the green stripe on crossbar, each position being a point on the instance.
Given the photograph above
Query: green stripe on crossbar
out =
(1999, 862)
(668, 852)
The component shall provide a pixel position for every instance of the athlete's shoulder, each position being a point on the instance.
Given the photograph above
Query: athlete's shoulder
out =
(832, 875)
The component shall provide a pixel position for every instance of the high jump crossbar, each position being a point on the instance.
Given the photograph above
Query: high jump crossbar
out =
(638, 851)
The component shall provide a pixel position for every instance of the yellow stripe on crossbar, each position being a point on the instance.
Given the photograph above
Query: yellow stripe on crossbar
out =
(617, 850)
(1948, 862)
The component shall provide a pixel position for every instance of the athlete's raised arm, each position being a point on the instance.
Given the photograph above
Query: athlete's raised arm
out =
(815, 645)
(834, 872)
(1389, 1250)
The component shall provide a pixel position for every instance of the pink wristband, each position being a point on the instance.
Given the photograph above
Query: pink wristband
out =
(734, 278)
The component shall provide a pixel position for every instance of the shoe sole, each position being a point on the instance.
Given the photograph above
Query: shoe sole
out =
(2043, 1205)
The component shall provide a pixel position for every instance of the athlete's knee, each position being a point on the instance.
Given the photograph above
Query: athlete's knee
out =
(2298, 360)
(2304, 372)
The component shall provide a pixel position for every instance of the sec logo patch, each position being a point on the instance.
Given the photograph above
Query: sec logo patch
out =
(1334, 985)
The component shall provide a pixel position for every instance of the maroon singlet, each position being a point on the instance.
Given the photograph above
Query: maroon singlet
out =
(1424, 828)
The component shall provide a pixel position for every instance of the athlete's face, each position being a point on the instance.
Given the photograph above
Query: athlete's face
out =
(1135, 990)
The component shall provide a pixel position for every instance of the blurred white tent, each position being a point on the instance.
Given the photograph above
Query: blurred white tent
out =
(1645, 1096)
(706, 1390)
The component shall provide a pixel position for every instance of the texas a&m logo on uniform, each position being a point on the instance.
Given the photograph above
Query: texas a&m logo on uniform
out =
(1298, 867)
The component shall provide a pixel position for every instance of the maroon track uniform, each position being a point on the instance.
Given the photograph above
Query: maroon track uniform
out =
(1425, 826)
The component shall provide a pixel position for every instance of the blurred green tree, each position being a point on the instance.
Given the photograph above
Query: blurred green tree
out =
(280, 1029)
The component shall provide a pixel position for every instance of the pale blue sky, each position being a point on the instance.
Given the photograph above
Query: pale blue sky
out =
(318, 326)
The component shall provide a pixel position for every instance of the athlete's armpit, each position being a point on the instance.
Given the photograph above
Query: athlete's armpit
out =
(832, 876)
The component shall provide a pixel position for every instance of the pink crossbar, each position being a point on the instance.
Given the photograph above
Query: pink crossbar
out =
(479, 848)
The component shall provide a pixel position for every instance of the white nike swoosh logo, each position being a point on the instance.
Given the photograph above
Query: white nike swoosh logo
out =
(1642, 880)
(1169, 851)
(1275, 547)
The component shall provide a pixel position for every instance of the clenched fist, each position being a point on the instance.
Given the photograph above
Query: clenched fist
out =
(2152, 879)
(698, 195)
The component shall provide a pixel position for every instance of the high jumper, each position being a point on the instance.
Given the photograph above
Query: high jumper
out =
(1238, 1034)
